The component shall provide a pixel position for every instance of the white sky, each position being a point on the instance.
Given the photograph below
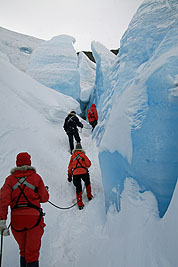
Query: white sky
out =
(86, 20)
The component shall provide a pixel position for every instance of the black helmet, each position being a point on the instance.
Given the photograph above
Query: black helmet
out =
(73, 112)
(78, 146)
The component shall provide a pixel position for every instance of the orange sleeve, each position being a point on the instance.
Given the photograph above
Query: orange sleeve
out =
(70, 167)
(87, 161)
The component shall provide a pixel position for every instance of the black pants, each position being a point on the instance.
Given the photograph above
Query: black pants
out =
(78, 182)
(93, 124)
(23, 263)
(71, 137)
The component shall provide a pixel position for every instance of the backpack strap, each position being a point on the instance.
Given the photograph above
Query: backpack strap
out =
(70, 119)
(22, 181)
(77, 158)
(91, 114)
(71, 124)
(78, 164)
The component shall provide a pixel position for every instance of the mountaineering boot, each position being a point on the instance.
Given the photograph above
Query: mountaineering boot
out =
(79, 201)
(22, 262)
(89, 194)
(33, 264)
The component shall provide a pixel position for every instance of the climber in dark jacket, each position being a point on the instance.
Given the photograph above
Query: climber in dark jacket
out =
(70, 127)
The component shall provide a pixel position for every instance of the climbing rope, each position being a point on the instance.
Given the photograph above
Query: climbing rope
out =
(65, 208)
(62, 208)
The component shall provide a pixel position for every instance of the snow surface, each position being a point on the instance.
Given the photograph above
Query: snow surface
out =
(32, 120)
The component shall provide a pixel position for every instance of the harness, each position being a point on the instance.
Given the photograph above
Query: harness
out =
(91, 114)
(22, 182)
(71, 127)
(78, 164)
(70, 119)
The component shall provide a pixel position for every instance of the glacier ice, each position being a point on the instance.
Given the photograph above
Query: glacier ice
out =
(104, 59)
(54, 64)
(18, 47)
(139, 106)
(87, 71)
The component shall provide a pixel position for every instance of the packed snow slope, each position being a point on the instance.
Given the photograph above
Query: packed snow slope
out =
(138, 108)
(32, 117)
(18, 47)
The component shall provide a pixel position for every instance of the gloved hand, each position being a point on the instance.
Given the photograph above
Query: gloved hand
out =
(47, 188)
(69, 179)
(4, 228)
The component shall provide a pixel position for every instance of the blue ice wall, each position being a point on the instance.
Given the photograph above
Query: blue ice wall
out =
(148, 59)
(104, 59)
(155, 146)
(114, 169)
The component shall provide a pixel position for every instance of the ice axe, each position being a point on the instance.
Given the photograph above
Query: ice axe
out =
(1, 246)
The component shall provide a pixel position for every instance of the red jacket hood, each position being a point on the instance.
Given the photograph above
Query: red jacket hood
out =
(25, 170)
